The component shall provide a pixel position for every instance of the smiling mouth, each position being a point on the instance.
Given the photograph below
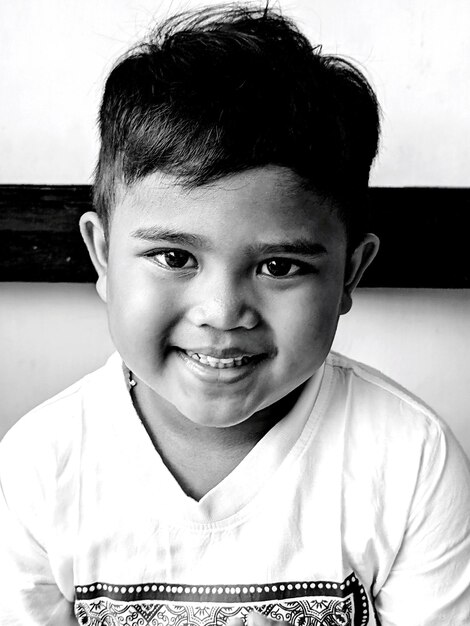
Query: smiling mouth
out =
(223, 363)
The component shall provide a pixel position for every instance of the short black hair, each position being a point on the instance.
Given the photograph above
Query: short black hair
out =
(220, 90)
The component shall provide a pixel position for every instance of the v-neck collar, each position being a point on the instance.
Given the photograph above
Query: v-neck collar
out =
(240, 486)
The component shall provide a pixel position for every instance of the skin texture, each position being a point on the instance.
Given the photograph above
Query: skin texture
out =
(228, 295)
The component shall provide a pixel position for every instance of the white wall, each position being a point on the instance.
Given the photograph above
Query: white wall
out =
(54, 56)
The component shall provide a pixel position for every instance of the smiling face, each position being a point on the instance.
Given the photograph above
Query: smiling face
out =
(225, 298)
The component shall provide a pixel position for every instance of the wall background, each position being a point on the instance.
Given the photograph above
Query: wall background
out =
(53, 59)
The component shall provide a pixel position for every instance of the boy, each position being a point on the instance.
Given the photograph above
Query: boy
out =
(223, 464)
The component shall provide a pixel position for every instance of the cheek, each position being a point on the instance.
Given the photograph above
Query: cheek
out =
(140, 313)
(306, 325)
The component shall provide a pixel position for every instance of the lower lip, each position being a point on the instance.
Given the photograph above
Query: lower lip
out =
(206, 373)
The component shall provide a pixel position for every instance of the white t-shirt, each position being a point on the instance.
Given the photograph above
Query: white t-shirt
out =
(352, 510)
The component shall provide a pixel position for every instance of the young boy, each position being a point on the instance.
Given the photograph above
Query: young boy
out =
(223, 464)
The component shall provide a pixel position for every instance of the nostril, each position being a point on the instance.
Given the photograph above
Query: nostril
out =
(223, 315)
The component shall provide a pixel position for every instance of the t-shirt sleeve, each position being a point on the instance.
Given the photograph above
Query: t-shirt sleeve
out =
(29, 595)
(429, 582)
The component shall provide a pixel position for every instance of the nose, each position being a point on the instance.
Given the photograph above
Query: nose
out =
(223, 303)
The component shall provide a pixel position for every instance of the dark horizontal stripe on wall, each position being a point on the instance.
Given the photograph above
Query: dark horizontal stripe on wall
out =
(425, 235)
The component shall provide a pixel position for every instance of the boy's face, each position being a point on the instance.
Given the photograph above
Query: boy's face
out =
(225, 298)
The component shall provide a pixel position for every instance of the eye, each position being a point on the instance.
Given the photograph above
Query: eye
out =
(174, 259)
(281, 268)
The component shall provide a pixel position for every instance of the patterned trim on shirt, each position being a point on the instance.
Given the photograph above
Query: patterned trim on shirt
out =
(320, 603)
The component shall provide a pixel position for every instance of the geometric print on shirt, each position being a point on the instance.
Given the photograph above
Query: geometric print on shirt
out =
(319, 603)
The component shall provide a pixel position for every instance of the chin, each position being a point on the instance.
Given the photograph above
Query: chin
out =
(216, 422)
(222, 418)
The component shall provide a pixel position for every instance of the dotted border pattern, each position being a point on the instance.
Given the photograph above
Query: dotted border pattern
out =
(230, 594)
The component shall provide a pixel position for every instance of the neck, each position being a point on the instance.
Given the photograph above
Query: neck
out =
(200, 457)
(158, 414)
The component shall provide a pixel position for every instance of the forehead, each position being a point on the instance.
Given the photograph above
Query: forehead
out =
(258, 203)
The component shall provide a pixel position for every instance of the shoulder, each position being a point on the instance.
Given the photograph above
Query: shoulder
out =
(402, 468)
(371, 395)
(391, 436)
(387, 428)
(367, 377)
(44, 441)
(40, 457)
(56, 416)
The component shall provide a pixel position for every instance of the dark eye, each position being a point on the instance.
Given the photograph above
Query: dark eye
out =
(174, 259)
(280, 268)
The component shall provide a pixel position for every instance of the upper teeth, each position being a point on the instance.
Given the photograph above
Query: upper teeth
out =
(218, 363)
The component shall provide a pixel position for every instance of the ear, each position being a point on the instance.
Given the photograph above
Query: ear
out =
(359, 261)
(92, 232)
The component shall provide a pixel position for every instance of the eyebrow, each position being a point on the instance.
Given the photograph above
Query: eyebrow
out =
(156, 233)
(300, 246)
